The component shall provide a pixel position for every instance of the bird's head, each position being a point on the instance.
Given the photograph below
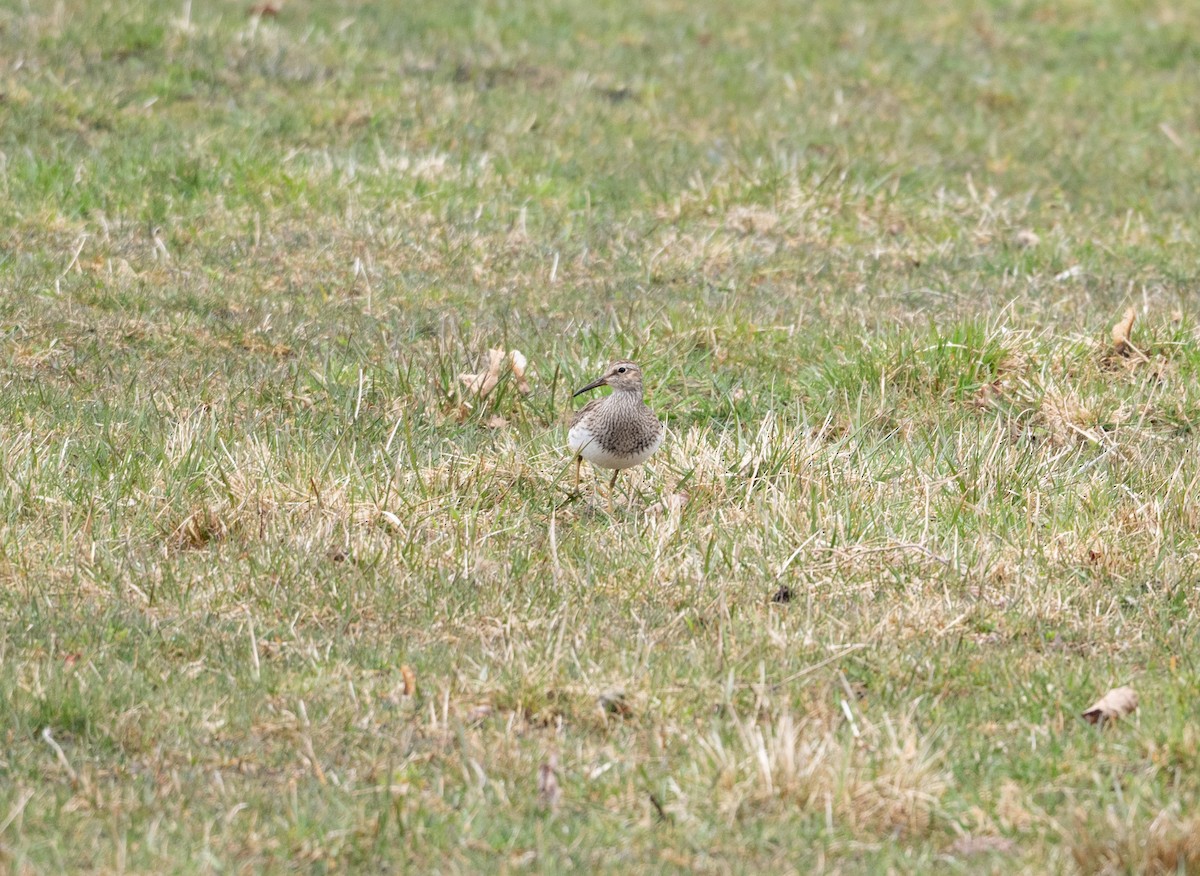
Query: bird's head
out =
(622, 376)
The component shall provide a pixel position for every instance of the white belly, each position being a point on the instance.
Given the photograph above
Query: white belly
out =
(583, 443)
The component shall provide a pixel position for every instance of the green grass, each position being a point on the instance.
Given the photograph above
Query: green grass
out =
(869, 256)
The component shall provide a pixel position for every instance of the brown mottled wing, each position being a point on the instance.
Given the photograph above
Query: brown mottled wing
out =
(584, 411)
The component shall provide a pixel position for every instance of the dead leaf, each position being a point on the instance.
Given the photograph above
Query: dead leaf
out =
(547, 782)
(484, 382)
(1117, 702)
(1026, 238)
(614, 702)
(479, 384)
(265, 10)
(391, 520)
(410, 680)
(519, 370)
(1121, 332)
(1172, 135)
(496, 422)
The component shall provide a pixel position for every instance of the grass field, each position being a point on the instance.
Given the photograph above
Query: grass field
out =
(280, 593)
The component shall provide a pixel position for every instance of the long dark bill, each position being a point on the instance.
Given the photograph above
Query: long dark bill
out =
(591, 385)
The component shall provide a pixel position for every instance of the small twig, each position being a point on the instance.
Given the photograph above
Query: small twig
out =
(15, 812)
(362, 380)
(160, 248)
(809, 670)
(795, 554)
(555, 570)
(62, 757)
(899, 546)
(253, 646)
(571, 497)
(74, 256)
(948, 627)
(850, 717)
(658, 807)
(549, 792)
(307, 752)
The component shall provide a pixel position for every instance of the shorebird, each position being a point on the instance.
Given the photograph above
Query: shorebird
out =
(618, 431)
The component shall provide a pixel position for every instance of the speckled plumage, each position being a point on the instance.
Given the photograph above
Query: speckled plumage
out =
(618, 431)
(623, 426)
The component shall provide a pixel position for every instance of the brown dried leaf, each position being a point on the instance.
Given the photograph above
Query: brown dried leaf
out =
(518, 362)
(547, 782)
(496, 422)
(484, 382)
(479, 384)
(1121, 332)
(520, 370)
(1117, 702)
(410, 680)
(265, 10)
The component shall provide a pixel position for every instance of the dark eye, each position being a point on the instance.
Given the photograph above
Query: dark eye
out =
(621, 370)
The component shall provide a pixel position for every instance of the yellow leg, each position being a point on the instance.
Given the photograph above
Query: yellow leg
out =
(578, 463)
(611, 488)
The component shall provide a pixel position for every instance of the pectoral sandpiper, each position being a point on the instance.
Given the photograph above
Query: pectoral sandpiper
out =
(616, 432)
